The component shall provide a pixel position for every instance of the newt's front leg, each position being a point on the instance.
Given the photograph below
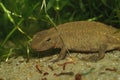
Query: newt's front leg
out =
(62, 55)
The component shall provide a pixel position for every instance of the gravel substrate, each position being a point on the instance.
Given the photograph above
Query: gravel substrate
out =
(68, 69)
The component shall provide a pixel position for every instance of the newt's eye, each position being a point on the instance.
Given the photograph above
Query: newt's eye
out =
(48, 39)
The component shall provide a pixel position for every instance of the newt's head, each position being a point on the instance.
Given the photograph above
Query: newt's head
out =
(42, 41)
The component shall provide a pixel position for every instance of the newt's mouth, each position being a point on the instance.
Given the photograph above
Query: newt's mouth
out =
(42, 49)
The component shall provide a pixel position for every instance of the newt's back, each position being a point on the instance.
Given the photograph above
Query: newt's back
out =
(72, 33)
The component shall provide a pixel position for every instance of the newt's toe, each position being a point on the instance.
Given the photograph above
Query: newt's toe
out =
(93, 58)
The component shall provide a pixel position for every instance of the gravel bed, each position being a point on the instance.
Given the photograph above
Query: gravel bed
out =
(71, 68)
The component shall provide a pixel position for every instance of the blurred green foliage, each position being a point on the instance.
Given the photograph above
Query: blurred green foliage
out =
(20, 19)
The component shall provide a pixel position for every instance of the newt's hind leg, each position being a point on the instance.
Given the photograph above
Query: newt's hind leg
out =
(97, 57)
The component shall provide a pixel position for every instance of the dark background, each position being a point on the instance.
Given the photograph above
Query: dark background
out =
(20, 19)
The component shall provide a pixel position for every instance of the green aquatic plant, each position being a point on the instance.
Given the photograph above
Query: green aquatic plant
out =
(21, 19)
